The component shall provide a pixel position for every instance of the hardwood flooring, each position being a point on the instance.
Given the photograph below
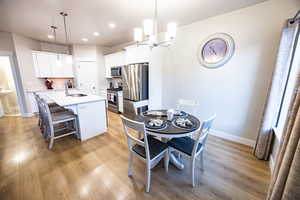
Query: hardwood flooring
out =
(97, 168)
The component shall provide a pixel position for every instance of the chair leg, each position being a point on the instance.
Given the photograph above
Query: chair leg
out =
(130, 164)
(167, 159)
(193, 172)
(148, 177)
(51, 142)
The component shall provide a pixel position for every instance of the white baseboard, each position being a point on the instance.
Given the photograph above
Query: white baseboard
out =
(28, 115)
(233, 138)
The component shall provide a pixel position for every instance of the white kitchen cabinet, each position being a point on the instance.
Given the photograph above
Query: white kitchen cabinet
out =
(114, 60)
(137, 54)
(92, 119)
(44, 65)
(120, 101)
(52, 65)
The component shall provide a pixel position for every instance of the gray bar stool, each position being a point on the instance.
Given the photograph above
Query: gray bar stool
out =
(57, 124)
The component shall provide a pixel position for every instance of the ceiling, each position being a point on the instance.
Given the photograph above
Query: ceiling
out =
(33, 18)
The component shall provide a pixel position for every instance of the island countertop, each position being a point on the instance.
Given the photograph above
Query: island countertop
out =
(63, 100)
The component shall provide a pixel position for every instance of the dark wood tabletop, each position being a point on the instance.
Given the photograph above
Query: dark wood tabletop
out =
(170, 128)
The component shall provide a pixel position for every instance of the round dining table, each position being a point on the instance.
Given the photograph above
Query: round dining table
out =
(170, 130)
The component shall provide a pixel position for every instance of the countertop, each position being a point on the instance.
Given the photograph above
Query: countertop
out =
(63, 100)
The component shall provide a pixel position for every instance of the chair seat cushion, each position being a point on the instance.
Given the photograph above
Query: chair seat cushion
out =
(62, 116)
(184, 144)
(55, 109)
(155, 148)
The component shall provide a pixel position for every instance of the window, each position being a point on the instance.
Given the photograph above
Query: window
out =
(289, 93)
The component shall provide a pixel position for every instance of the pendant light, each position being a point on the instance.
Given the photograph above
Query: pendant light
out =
(149, 36)
(69, 59)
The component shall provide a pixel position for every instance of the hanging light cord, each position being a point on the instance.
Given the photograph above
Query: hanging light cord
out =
(65, 25)
(295, 17)
(155, 19)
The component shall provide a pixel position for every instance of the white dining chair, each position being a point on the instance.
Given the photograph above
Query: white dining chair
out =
(188, 105)
(191, 148)
(148, 149)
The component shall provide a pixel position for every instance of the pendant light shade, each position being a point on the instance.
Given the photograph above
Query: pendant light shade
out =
(150, 31)
(171, 30)
(148, 27)
(138, 35)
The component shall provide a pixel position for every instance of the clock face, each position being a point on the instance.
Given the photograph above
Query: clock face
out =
(214, 51)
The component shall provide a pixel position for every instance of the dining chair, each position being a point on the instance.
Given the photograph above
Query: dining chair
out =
(191, 148)
(188, 105)
(148, 149)
(59, 124)
(138, 105)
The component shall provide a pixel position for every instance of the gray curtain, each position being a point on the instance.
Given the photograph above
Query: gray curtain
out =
(283, 64)
(285, 183)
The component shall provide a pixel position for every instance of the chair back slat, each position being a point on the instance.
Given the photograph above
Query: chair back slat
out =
(139, 127)
(203, 133)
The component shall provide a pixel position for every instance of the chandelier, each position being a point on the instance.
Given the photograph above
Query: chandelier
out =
(149, 36)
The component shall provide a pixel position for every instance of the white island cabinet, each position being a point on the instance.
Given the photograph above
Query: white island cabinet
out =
(91, 112)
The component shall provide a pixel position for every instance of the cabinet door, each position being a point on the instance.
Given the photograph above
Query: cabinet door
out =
(108, 65)
(56, 65)
(92, 119)
(67, 66)
(44, 64)
(136, 54)
(35, 65)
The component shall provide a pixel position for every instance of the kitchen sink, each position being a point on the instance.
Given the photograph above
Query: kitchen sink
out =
(77, 95)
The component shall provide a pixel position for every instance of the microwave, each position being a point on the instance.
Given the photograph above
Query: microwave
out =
(116, 71)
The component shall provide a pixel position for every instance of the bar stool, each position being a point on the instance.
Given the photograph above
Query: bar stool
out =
(58, 124)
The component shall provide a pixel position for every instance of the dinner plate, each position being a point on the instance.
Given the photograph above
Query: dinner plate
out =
(148, 126)
(190, 127)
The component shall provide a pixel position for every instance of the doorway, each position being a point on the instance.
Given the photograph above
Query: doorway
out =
(87, 77)
(9, 105)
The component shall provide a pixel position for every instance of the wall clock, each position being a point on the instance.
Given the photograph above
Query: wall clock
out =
(216, 50)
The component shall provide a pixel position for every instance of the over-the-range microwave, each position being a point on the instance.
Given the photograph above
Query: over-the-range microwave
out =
(116, 71)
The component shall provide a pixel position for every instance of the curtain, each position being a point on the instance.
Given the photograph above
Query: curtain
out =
(276, 90)
(285, 183)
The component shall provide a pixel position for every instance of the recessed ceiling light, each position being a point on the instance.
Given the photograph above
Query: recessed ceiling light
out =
(96, 34)
(112, 25)
(50, 36)
(84, 39)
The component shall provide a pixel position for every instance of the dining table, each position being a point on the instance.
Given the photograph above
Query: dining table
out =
(169, 130)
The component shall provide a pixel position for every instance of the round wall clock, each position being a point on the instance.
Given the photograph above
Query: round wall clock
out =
(216, 50)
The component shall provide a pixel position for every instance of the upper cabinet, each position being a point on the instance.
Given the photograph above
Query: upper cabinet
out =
(135, 54)
(114, 60)
(52, 65)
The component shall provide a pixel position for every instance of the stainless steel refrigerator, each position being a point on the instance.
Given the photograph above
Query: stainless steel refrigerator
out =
(135, 85)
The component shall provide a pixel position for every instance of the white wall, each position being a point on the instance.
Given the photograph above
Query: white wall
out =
(237, 91)
(6, 42)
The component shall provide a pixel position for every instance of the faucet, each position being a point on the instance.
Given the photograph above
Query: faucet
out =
(67, 89)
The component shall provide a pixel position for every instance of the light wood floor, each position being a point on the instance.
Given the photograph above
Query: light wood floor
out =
(97, 168)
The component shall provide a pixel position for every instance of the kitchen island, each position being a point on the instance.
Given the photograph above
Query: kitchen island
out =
(90, 109)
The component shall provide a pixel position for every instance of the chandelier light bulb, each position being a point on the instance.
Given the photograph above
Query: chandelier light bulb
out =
(148, 27)
(171, 30)
(138, 35)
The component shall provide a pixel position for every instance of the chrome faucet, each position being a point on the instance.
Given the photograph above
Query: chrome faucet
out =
(67, 89)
